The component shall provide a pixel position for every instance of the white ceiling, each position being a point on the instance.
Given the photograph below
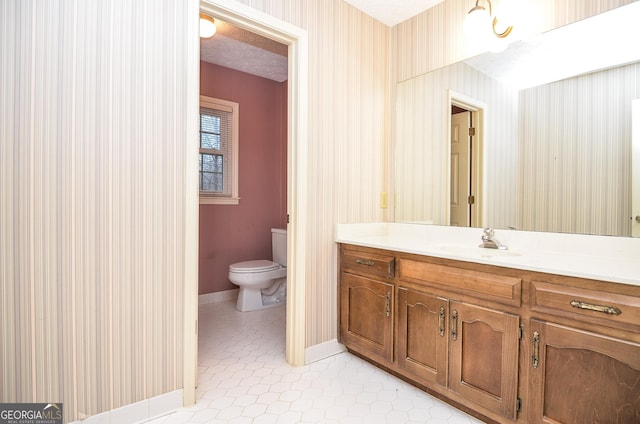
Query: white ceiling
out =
(392, 12)
(244, 57)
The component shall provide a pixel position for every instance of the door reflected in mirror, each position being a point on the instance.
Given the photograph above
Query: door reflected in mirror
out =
(556, 156)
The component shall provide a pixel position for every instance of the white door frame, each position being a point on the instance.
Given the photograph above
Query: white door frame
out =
(460, 144)
(635, 168)
(296, 38)
(477, 108)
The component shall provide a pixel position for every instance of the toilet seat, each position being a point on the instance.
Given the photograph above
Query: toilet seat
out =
(261, 265)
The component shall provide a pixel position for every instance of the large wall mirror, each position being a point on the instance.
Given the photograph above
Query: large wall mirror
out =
(553, 140)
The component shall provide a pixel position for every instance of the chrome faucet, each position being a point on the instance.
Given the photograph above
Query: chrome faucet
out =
(490, 242)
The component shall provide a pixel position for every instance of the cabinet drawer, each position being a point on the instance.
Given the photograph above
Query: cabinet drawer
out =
(367, 263)
(482, 285)
(596, 306)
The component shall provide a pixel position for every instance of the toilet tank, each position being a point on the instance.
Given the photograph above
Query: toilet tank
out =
(279, 245)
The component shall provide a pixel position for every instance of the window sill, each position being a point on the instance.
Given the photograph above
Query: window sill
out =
(210, 200)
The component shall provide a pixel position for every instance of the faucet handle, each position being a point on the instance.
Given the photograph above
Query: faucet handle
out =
(489, 232)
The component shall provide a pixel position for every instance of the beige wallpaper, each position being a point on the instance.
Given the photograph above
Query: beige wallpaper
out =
(93, 186)
(575, 153)
(348, 134)
(87, 229)
(92, 195)
(354, 64)
(422, 158)
(516, 192)
(435, 38)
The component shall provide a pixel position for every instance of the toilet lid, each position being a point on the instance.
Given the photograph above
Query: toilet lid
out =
(254, 266)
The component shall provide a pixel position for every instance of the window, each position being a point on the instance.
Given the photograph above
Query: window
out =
(218, 160)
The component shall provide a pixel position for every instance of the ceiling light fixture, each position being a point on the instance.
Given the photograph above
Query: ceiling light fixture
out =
(478, 18)
(207, 26)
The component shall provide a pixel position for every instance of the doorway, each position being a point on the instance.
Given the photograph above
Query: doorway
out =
(461, 198)
(296, 40)
(466, 134)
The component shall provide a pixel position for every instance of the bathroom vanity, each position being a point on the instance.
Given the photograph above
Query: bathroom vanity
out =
(547, 331)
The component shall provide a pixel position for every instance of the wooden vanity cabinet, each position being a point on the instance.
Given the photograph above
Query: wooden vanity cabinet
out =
(476, 345)
(405, 315)
(512, 346)
(367, 302)
(366, 322)
(469, 315)
(483, 357)
(581, 376)
(423, 336)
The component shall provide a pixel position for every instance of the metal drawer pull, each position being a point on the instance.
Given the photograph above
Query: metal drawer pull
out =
(454, 325)
(441, 322)
(365, 262)
(387, 305)
(610, 310)
(535, 357)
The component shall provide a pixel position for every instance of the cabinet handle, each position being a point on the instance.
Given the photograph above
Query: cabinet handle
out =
(441, 321)
(366, 262)
(454, 325)
(610, 310)
(387, 305)
(535, 358)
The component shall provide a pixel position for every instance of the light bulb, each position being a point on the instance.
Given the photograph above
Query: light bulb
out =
(477, 28)
(207, 26)
(478, 21)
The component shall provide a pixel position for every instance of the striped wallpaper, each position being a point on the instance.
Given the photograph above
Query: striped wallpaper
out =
(354, 65)
(575, 153)
(422, 150)
(92, 200)
(434, 39)
(349, 109)
(94, 188)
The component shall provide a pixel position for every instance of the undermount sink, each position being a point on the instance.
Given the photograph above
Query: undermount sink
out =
(475, 252)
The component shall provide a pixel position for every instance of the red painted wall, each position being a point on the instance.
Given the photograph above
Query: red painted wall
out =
(230, 233)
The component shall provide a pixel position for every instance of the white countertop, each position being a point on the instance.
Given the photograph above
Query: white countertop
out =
(615, 259)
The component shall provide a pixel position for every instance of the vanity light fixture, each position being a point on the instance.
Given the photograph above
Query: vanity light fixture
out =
(479, 17)
(207, 26)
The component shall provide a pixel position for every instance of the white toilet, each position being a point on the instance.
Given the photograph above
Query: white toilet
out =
(262, 283)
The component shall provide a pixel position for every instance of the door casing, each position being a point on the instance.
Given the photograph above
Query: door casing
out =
(297, 40)
(477, 109)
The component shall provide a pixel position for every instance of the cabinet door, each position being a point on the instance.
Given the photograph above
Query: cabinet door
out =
(484, 357)
(422, 336)
(581, 377)
(367, 316)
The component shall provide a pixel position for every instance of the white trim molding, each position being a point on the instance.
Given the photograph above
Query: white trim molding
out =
(136, 412)
(297, 40)
(217, 297)
(323, 350)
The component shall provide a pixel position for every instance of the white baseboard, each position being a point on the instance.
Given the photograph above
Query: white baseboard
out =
(138, 412)
(216, 297)
(323, 350)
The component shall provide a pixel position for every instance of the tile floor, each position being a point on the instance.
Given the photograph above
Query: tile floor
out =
(244, 379)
